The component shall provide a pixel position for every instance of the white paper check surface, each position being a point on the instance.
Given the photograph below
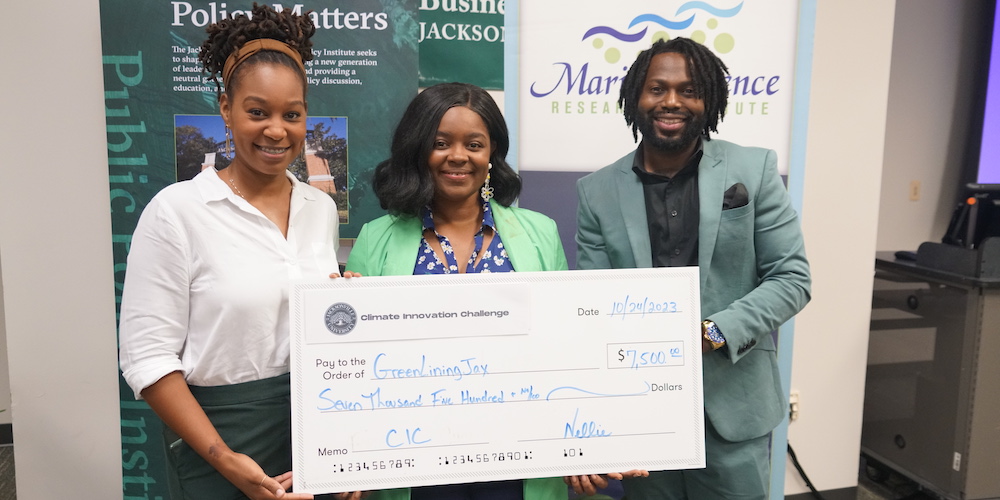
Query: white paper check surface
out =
(419, 380)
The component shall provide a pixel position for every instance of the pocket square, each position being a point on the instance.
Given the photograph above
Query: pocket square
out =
(735, 197)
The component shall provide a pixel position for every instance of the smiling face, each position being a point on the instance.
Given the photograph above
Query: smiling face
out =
(670, 113)
(459, 160)
(267, 115)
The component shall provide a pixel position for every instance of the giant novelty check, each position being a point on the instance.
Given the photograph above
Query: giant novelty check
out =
(419, 380)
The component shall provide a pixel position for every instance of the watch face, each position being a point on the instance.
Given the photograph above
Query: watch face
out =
(714, 334)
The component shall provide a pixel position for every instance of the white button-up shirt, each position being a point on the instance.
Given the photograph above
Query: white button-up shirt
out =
(206, 287)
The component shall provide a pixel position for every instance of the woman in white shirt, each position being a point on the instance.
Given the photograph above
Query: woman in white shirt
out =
(204, 316)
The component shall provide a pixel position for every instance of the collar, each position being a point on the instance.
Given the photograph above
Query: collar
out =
(690, 168)
(213, 188)
(428, 218)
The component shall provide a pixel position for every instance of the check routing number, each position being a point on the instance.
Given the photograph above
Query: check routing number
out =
(420, 380)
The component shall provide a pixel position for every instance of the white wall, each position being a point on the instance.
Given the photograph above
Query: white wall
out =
(4, 372)
(55, 252)
(932, 92)
(844, 151)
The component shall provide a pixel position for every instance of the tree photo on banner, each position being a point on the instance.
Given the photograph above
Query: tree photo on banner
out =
(163, 126)
(571, 72)
(462, 41)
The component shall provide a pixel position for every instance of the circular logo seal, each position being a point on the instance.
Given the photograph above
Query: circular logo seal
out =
(340, 318)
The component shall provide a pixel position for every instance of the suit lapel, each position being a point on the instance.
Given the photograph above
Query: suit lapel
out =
(711, 186)
(520, 250)
(633, 203)
(401, 251)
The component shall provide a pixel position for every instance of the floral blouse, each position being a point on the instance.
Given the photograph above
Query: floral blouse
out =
(494, 260)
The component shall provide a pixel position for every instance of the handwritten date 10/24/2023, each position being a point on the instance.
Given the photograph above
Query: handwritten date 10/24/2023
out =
(630, 306)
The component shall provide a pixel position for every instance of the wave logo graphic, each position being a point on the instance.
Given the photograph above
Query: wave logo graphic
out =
(686, 17)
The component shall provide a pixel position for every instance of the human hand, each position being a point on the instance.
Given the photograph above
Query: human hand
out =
(250, 478)
(284, 483)
(353, 495)
(589, 484)
(347, 274)
(586, 484)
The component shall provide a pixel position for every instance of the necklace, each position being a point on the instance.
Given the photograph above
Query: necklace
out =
(233, 183)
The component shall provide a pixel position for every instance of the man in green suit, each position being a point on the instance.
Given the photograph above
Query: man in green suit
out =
(682, 199)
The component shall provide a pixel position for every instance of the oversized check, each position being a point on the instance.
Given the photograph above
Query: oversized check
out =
(419, 380)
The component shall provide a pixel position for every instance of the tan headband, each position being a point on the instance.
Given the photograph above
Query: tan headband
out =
(254, 46)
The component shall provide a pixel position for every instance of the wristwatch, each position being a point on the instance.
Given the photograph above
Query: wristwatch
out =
(712, 334)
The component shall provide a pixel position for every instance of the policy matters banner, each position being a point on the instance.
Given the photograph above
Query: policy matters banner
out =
(573, 57)
(163, 126)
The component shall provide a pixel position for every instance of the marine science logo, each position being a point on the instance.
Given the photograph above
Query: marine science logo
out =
(599, 78)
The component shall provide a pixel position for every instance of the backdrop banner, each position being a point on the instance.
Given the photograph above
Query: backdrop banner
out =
(462, 41)
(572, 61)
(163, 126)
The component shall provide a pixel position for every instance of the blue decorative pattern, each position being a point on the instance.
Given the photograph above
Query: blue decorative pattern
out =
(494, 259)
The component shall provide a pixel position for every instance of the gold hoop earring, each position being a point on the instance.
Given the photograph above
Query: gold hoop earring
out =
(486, 192)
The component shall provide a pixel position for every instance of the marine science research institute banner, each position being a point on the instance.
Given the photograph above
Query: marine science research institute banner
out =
(163, 126)
(573, 57)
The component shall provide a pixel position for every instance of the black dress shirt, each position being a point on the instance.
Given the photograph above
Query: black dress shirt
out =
(671, 211)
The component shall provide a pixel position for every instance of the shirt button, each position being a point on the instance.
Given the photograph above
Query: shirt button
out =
(677, 251)
(673, 213)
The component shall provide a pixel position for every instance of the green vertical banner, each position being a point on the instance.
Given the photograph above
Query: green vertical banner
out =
(163, 126)
(462, 41)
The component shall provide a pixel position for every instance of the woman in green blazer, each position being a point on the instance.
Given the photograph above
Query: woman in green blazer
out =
(448, 190)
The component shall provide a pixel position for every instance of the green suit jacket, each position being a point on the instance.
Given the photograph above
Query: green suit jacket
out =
(388, 246)
(752, 265)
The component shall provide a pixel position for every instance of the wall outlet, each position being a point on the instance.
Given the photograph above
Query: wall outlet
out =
(793, 406)
(914, 190)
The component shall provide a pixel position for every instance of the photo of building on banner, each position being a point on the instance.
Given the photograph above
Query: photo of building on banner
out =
(164, 126)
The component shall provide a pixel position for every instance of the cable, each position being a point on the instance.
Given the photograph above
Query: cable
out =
(795, 462)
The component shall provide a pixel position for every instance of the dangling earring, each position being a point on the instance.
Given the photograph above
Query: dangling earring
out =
(487, 191)
(229, 146)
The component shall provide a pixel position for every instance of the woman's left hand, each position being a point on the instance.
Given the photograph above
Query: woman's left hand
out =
(590, 483)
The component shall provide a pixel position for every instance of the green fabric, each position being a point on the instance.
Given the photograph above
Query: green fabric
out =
(733, 471)
(253, 418)
(752, 264)
(388, 246)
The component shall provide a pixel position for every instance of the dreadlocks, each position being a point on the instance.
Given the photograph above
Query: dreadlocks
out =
(708, 73)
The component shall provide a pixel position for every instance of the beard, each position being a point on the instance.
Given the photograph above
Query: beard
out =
(690, 133)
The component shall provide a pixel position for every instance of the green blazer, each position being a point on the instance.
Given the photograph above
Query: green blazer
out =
(388, 246)
(752, 265)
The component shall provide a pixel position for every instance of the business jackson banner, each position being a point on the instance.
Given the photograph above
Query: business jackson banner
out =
(571, 72)
(462, 41)
(163, 126)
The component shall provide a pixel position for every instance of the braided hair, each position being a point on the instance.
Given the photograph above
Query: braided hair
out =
(708, 74)
(228, 35)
